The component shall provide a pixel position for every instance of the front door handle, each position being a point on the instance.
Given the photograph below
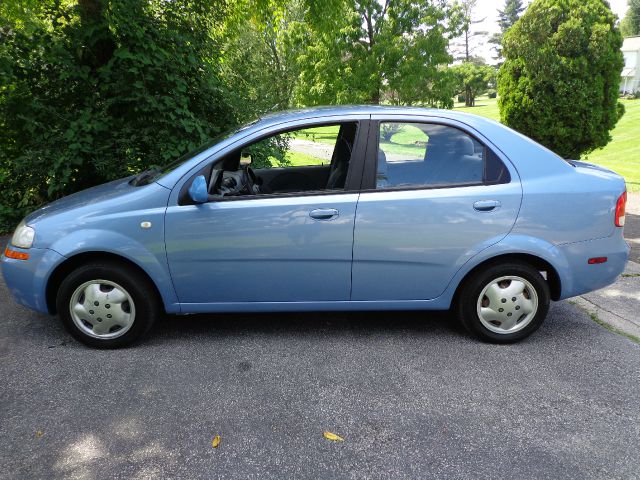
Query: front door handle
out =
(486, 205)
(323, 213)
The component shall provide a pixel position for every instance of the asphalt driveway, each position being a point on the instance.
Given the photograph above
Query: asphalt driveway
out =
(412, 395)
(632, 226)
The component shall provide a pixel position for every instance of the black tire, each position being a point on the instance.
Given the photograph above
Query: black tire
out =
(466, 309)
(146, 303)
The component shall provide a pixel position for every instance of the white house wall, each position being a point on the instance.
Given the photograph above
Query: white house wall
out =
(630, 80)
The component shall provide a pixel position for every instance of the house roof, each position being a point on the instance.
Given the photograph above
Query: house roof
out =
(631, 44)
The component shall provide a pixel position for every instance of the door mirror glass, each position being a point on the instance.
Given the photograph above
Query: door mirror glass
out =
(198, 190)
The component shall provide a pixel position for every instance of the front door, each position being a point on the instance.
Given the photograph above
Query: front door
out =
(288, 240)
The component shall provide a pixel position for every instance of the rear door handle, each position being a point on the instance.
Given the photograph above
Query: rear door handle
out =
(486, 205)
(323, 213)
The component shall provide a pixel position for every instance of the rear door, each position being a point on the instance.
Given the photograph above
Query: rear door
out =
(434, 195)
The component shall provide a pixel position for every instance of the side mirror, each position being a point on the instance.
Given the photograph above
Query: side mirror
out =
(198, 190)
(245, 159)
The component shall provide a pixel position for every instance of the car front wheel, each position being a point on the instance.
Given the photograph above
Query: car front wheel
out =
(107, 306)
(504, 303)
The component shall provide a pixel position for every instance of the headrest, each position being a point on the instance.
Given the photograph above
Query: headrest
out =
(461, 144)
(382, 162)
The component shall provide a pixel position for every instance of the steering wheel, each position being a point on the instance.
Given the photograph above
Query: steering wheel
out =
(248, 181)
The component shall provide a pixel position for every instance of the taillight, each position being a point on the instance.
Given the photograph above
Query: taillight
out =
(620, 206)
(596, 260)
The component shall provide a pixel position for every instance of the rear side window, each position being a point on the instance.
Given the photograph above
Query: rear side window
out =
(422, 154)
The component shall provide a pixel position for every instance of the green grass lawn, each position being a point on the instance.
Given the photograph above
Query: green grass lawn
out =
(300, 159)
(621, 155)
(485, 107)
(326, 135)
(410, 142)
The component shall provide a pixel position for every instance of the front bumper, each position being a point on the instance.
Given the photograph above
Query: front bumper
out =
(27, 279)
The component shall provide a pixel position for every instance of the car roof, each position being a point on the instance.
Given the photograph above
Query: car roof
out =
(349, 110)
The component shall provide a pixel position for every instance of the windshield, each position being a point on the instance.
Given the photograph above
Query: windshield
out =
(156, 171)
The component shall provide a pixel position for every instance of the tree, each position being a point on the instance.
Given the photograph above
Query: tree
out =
(93, 91)
(630, 25)
(466, 44)
(507, 17)
(559, 83)
(473, 79)
(468, 76)
(358, 51)
(264, 41)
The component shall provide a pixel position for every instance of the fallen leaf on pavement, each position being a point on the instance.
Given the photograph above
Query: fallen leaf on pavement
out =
(333, 436)
(216, 441)
(39, 433)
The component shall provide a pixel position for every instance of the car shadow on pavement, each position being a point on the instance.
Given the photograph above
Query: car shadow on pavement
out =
(203, 329)
(304, 323)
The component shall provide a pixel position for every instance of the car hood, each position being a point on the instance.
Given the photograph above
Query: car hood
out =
(92, 195)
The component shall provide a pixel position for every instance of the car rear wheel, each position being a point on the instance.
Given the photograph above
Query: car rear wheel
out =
(107, 305)
(504, 303)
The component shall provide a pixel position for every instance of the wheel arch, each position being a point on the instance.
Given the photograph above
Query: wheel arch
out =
(540, 264)
(73, 262)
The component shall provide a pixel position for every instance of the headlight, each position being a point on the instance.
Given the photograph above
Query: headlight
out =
(23, 236)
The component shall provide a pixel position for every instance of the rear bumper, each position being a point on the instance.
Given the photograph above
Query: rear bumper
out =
(582, 277)
(27, 279)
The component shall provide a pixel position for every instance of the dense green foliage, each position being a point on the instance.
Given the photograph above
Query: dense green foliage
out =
(263, 42)
(559, 83)
(630, 25)
(94, 90)
(394, 51)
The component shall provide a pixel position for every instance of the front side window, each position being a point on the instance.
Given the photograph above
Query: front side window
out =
(300, 148)
(431, 155)
(302, 160)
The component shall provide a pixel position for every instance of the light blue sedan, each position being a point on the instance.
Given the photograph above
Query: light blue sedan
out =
(346, 208)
